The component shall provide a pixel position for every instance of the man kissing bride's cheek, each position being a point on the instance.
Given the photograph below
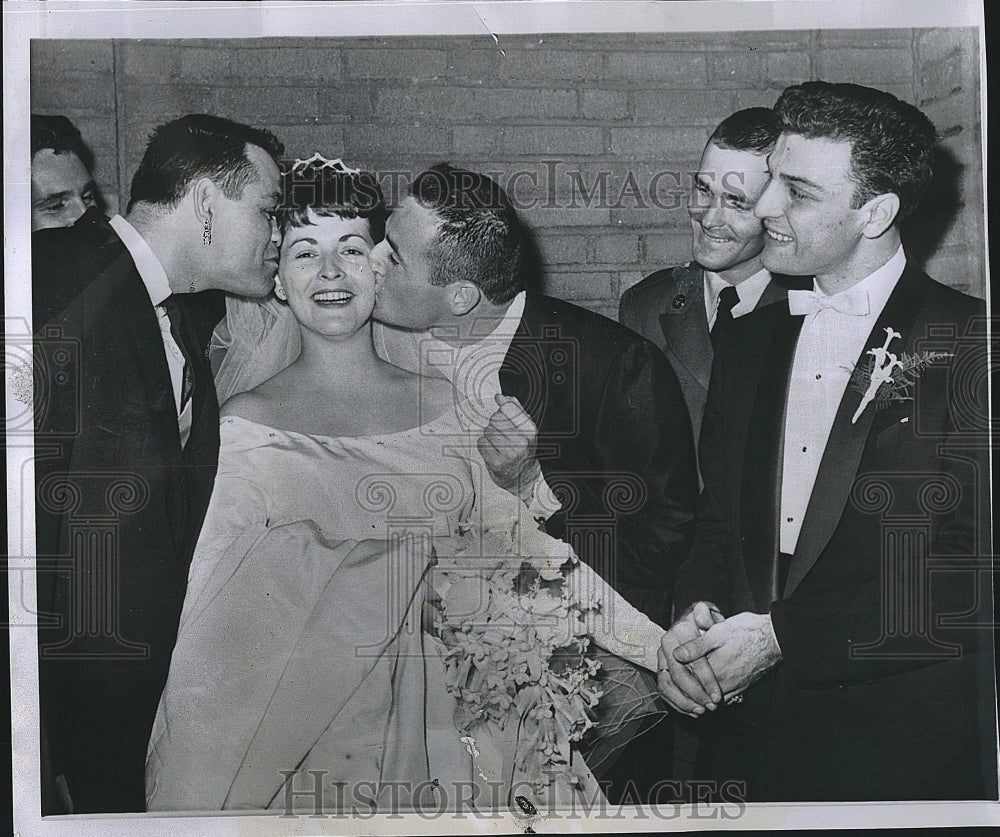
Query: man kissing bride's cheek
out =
(373, 597)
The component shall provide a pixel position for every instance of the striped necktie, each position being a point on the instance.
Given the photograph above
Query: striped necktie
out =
(180, 328)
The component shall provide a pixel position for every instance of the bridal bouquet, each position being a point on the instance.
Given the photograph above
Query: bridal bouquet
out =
(516, 641)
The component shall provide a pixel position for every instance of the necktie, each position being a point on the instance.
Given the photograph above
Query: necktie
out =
(728, 299)
(182, 334)
(853, 301)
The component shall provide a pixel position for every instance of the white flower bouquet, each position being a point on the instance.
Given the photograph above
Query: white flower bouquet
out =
(516, 642)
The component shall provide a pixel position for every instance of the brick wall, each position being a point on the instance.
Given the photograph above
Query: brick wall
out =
(947, 89)
(595, 135)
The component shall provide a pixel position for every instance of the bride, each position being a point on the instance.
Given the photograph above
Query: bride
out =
(369, 620)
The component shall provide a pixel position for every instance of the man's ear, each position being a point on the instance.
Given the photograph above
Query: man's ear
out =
(879, 214)
(464, 298)
(204, 194)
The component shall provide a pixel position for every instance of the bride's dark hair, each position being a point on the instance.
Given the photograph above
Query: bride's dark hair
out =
(330, 190)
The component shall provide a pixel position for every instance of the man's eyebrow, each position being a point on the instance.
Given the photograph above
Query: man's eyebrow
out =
(740, 197)
(53, 197)
(799, 180)
(392, 244)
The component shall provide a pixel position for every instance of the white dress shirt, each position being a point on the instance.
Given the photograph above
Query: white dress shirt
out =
(473, 369)
(828, 347)
(154, 277)
(749, 291)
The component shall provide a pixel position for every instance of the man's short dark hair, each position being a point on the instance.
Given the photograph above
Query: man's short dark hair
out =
(194, 146)
(479, 237)
(892, 142)
(752, 129)
(328, 191)
(61, 135)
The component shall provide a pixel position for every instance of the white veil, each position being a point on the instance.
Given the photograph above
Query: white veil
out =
(256, 340)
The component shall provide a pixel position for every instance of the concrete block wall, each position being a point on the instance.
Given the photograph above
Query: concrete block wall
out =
(78, 80)
(595, 136)
(947, 89)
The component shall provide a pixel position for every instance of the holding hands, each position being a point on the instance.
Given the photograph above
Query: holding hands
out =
(705, 657)
(689, 688)
(508, 448)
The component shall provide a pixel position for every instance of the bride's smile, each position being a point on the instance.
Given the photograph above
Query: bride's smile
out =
(324, 273)
(332, 297)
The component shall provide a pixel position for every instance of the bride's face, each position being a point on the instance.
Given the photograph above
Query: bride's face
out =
(324, 273)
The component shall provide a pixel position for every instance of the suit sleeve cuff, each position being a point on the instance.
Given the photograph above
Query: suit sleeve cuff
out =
(543, 503)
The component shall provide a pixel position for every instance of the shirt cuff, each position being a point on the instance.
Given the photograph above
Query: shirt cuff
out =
(543, 503)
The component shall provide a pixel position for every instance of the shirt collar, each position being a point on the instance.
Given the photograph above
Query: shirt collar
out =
(503, 334)
(477, 360)
(153, 276)
(499, 338)
(750, 290)
(878, 284)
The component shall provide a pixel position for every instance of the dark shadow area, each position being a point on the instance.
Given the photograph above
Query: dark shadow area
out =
(532, 264)
(937, 213)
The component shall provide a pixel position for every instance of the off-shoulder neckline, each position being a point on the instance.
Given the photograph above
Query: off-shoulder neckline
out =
(448, 415)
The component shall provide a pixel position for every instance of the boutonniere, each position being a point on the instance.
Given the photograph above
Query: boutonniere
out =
(884, 377)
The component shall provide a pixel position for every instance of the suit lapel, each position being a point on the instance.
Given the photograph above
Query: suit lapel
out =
(685, 323)
(523, 373)
(846, 443)
(760, 492)
(774, 292)
(143, 337)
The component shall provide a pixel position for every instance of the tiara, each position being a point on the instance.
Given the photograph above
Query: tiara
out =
(318, 161)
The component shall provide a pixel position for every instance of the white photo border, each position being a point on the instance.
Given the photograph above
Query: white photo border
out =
(24, 21)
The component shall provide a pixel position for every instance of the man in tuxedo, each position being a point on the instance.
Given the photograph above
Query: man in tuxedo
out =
(126, 445)
(829, 606)
(613, 439)
(685, 309)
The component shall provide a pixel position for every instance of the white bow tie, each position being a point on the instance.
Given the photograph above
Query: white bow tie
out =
(853, 301)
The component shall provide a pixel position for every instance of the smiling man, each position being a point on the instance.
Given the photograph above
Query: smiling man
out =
(846, 493)
(62, 187)
(686, 309)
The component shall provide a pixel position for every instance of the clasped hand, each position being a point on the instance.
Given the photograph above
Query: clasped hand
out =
(508, 448)
(705, 657)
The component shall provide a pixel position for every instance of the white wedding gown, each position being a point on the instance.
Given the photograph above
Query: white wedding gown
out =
(304, 642)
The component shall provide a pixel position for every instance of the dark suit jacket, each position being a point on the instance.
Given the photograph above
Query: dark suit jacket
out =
(118, 508)
(66, 259)
(614, 443)
(668, 309)
(884, 691)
